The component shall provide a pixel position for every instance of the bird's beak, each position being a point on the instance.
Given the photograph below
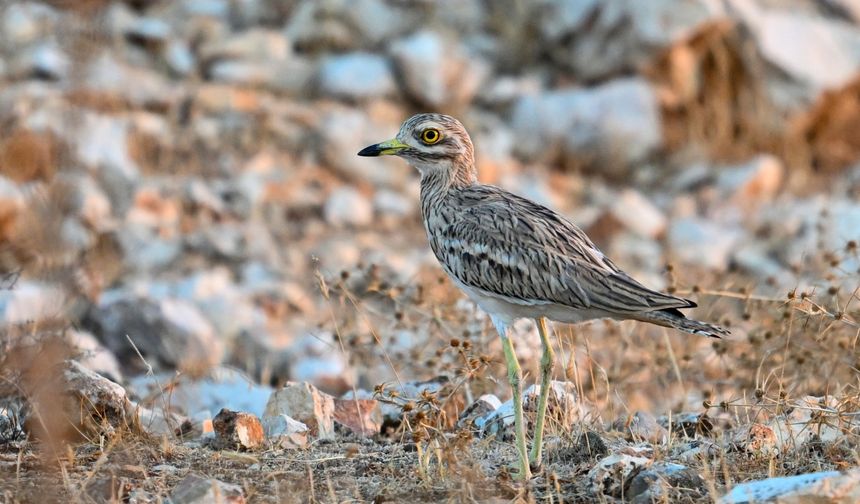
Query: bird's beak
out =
(387, 148)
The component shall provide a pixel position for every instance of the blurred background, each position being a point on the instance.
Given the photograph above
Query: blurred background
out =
(180, 188)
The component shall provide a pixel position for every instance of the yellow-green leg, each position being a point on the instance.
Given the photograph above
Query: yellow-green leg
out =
(546, 364)
(515, 375)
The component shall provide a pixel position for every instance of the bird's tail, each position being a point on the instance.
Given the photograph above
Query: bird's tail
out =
(672, 317)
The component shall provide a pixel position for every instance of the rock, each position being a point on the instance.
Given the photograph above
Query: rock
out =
(140, 86)
(171, 332)
(392, 204)
(237, 429)
(348, 207)
(179, 58)
(666, 482)
(256, 45)
(702, 243)
(638, 214)
(753, 183)
(149, 30)
(641, 426)
(157, 422)
(435, 73)
(93, 355)
(563, 408)
(811, 419)
(196, 489)
(829, 486)
(775, 32)
(31, 301)
(25, 22)
(285, 432)
(757, 439)
(356, 76)
(359, 416)
(342, 133)
(45, 61)
(93, 404)
(303, 402)
(597, 39)
(221, 387)
(690, 424)
(618, 121)
(612, 475)
(473, 417)
(11, 421)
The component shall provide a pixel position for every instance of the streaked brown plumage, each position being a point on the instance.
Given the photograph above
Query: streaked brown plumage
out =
(514, 257)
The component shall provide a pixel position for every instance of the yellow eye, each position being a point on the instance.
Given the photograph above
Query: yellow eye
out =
(430, 136)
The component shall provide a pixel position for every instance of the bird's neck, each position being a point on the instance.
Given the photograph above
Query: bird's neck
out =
(444, 180)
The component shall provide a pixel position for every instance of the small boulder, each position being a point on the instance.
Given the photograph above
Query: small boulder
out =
(197, 489)
(612, 475)
(666, 482)
(474, 415)
(356, 76)
(753, 183)
(633, 210)
(348, 207)
(828, 486)
(238, 430)
(756, 439)
(285, 432)
(303, 402)
(360, 416)
(641, 426)
(94, 404)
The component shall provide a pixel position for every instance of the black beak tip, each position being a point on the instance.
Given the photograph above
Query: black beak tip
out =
(369, 151)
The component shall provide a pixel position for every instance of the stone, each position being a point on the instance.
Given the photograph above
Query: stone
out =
(197, 489)
(392, 204)
(753, 183)
(140, 86)
(356, 76)
(346, 206)
(285, 432)
(171, 332)
(612, 475)
(702, 243)
(254, 45)
(618, 121)
(149, 30)
(473, 417)
(756, 439)
(775, 32)
(436, 73)
(666, 482)
(93, 355)
(341, 133)
(641, 426)
(303, 402)
(179, 58)
(157, 422)
(93, 404)
(45, 60)
(25, 22)
(633, 210)
(221, 387)
(828, 486)
(359, 416)
(563, 409)
(31, 301)
(597, 39)
(238, 429)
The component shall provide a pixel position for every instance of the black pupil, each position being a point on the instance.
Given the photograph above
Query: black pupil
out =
(430, 135)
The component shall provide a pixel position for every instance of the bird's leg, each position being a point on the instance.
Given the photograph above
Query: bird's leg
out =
(515, 375)
(546, 364)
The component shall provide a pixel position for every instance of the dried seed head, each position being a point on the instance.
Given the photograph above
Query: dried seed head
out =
(455, 342)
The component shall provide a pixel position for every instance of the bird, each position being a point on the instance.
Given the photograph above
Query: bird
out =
(516, 258)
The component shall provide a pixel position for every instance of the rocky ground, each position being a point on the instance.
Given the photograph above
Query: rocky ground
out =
(206, 295)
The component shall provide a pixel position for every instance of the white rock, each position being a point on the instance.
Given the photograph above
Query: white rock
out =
(31, 301)
(703, 243)
(149, 29)
(348, 207)
(255, 45)
(394, 204)
(222, 387)
(93, 355)
(139, 85)
(828, 486)
(619, 120)
(356, 76)
(434, 72)
(285, 432)
(24, 22)
(45, 60)
(609, 475)
(196, 489)
(753, 183)
(93, 403)
(179, 58)
(638, 214)
(317, 359)
(303, 402)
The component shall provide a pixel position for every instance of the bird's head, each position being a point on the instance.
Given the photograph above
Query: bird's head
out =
(435, 144)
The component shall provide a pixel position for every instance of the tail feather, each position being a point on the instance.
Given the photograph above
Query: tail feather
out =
(672, 317)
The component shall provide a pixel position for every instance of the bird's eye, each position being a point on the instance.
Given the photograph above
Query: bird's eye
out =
(430, 136)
